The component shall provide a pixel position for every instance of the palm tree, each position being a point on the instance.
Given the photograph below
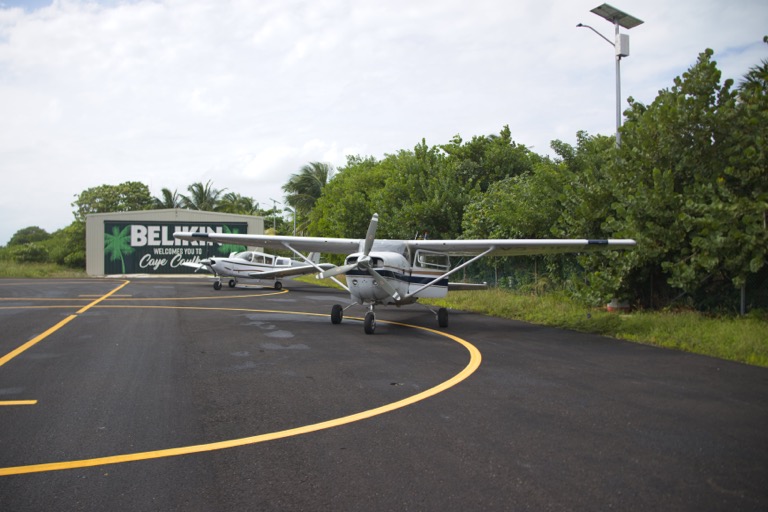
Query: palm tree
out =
(169, 200)
(232, 202)
(202, 197)
(305, 187)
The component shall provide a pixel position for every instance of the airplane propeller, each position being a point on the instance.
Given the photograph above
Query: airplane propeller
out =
(365, 263)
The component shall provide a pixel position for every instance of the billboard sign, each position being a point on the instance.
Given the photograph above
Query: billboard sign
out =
(132, 247)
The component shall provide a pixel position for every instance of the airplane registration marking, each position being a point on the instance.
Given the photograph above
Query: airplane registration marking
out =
(473, 364)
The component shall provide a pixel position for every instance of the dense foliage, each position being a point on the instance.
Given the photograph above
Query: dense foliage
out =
(689, 183)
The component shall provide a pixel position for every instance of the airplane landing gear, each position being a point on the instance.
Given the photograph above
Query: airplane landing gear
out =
(442, 317)
(217, 285)
(369, 324)
(278, 285)
(232, 283)
(337, 313)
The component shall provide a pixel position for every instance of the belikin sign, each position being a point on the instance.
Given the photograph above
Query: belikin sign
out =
(149, 248)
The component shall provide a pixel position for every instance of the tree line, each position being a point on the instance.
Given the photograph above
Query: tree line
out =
(689, 182)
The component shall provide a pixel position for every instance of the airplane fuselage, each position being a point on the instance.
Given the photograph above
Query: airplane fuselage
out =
(403, 275)
(243, 264)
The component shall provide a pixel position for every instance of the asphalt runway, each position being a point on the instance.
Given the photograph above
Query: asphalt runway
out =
(163, 394)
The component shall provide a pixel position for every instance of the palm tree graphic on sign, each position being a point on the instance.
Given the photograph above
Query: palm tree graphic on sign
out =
(227, 249)
(118, 244)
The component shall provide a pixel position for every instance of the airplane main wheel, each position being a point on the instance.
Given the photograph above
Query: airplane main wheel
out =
(370, 323)
(278, 285)
(442, 317)
(232, 283)
(337, 313)
(217, 285)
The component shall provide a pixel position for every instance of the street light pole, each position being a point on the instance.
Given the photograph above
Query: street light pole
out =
(274, 213)
(620, 45)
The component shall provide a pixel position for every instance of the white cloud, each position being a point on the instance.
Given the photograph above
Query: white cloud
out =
(172, 92)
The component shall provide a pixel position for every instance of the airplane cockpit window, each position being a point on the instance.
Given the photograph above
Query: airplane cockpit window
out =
(283, 262)
(435, 260)
(244, 255)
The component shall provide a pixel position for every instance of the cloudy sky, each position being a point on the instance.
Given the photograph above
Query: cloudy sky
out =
(243, 93)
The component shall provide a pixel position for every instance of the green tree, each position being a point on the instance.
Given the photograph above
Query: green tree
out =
(232, 202)
(168, 200)
(67, 246)
(420, 196)
(305, 187)
(29, 235)
(485, 160)
(125, 197)
(689, 185)
(345, 207)
(202, 197)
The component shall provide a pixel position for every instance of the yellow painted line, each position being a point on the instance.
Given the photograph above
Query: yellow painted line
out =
(113, 298)
(17, 402)
(96, 295)
(474, 363)
(223, 296)
(34, 341)
(102, 298)
(37, 339)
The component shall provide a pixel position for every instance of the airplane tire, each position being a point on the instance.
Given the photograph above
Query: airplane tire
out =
(337, 313)
(278, 285)
(217, 285)
(442, 317)
(370, 323)
(232, 283)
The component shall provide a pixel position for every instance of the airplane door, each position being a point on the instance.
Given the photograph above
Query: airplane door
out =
(428, 266)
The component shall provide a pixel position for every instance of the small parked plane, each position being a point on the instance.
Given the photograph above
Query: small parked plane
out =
(399, 272)
(256, 265)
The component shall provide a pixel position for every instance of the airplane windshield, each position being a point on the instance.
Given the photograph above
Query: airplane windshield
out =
(244, 256)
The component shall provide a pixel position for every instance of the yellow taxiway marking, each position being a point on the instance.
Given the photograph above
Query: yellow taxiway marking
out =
(37, 339)
(474, 363)
(17, 402)
(133, 298)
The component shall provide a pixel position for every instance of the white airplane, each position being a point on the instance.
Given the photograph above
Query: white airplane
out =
(399, 272)
(256, 265)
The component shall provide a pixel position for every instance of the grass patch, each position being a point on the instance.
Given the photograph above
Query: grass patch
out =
(38, 270)
(743, 340)
(737, 339)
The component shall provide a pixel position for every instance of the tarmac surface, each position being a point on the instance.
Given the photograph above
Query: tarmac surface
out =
(163, 394)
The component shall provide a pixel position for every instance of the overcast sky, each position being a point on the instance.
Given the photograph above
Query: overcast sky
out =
(243, 93)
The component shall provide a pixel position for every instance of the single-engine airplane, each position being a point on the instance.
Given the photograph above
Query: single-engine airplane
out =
(399, 272)
(256, 265)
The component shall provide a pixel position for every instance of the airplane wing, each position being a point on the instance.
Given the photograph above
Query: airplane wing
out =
(290, 271)
(520, 247)
(492, 247)
(299, 243)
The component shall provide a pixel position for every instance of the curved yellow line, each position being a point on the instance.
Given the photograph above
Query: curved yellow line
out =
(474, 363)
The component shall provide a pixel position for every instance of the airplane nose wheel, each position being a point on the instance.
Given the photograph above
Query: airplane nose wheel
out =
(337, 313)
(217, 285)
(370, 323)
